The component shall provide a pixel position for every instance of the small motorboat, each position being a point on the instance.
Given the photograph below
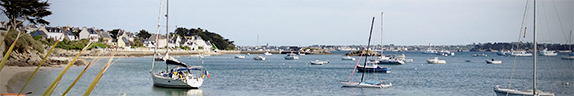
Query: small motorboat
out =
(259, 58)
(239, 56)
(493, 61)
(347, 58)
(318, 62)
(291, 56)
(545, 52)
(435, 61)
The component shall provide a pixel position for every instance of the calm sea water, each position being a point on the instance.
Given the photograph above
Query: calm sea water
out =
(277, 76)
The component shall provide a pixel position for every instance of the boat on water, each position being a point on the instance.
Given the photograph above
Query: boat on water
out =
(390, 60)
(367, 84)
(291, 56)
(239, 56)
(347, 58)
(568, 57)
(180, 76)
(503, 53)
(363, 83)
(492, 61)
(430, 51)
(403, 57)
(545, 52)
(267, 53)
(513, 92)
(259, 58)
(520, 53)
(373, 67)
(318, 62)
(435, 61)
(479, 55)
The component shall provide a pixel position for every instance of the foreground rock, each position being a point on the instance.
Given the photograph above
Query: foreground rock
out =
(358, 53)
(33, 58)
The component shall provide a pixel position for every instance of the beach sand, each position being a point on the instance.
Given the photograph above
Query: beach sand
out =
(9, 71)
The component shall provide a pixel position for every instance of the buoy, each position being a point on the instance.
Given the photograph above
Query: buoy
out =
(415, 68)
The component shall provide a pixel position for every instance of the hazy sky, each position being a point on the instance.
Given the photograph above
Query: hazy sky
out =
(329, 22)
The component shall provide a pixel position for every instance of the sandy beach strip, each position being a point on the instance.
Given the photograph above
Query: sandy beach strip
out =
(9, 71)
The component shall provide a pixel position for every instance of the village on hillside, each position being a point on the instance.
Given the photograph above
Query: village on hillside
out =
(119, 41)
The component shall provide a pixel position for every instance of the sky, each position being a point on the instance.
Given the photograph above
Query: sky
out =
(330, 22)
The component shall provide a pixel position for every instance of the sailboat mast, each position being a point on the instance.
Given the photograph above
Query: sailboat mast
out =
(535, 51)
(167, 33)
(368, 44)
(382, 46)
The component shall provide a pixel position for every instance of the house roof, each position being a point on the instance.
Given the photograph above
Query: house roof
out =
(125, 40)
(39, 32)
(106, 35)
(92, 31)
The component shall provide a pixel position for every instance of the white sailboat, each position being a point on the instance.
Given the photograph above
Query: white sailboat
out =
(388, 60)
(513, 92)
(545, 52)
(363, 83)
(180, 76)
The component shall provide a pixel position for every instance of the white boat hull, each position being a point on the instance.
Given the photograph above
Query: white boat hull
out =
(512, 92)
(493, 62)
(291, 58)
(435, 61)
(185, 82)
(568, 57)
(348, 58)
(363, 85)
(239, 57)
(259, 58)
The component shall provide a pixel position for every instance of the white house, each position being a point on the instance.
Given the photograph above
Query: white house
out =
(90, 34)
(161, 42)
(195, 42)
(54, 32)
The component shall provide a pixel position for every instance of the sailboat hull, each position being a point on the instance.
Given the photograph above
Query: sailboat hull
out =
(365, 85)
(382, 70)
(512, 92)
(164, 81)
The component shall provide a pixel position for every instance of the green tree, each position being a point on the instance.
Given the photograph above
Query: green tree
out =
(181, 31)
(19, 10)
(143, 34)
(114, 33)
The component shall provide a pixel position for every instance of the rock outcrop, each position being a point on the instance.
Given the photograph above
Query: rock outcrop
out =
(358, 53)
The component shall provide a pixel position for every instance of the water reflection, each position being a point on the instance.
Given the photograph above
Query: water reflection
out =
(160, 91)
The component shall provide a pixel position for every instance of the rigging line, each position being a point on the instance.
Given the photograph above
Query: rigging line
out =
(514, 63)
(523, 19)
(157, 36)
(559, 21)
(547, 24)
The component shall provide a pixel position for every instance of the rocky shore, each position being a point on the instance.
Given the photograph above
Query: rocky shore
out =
(358, 53)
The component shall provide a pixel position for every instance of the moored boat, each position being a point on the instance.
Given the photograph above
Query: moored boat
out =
(347, 58)
(493, 61)
(435, 61)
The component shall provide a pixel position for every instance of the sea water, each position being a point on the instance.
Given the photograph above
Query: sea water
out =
(277, 76)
